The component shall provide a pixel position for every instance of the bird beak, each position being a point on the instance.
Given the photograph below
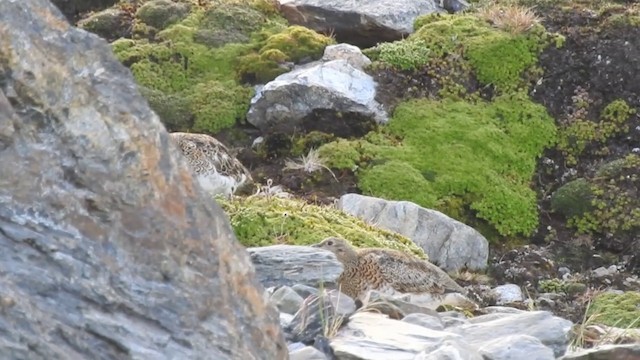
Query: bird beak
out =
(315, 245)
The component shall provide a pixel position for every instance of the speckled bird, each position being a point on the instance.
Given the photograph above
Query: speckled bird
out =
(388, 271)
(217, 171)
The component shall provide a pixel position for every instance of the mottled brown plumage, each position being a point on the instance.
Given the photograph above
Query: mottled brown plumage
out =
(211, 162)
(388, 271)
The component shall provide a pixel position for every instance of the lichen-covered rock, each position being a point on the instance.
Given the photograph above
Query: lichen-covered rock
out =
(111, 24)
(449, 243)
(161, 13)
(293, 100)
(109, 247)
(364, 23)
(268, 220)
(72, 9)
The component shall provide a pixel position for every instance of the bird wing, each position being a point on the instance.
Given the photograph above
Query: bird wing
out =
(407, 273)
(217, 154)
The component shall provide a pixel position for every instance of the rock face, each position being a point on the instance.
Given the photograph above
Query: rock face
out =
(450, 244)
(361, 23)
(312, 96)
(110, 250)
(290, 265)
(73, 8)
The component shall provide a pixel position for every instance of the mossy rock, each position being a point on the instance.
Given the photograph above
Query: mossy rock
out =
(619, 310)
(496, 57)
(484, 153)
(162, 13)
(110, 24)
(262, 221)
(292, 44)
(218, 105)
(573, 198)
(173, 109)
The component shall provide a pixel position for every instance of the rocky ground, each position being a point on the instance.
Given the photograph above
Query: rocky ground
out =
(546, 113)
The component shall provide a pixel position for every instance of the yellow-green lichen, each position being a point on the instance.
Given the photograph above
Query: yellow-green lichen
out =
(619, 310)
(262, 221)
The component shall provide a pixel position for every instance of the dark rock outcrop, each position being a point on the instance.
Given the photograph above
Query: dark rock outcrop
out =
(73, 9)
(109, 249)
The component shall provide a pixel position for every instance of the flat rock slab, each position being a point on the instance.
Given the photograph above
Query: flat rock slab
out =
(288, 265)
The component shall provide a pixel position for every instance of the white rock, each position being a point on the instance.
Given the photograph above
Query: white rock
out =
(508, 293)
(350, 53)
(307, 353)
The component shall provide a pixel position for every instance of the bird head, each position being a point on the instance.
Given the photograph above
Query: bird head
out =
(340, 247)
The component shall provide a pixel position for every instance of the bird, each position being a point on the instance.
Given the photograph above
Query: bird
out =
(388, 271)
(217, 171)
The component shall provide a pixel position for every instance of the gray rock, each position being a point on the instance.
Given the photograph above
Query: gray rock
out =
(362, 23)
(550, 330)
(429, 321)
(110, 249)
(350, 53)
(607, 352)
(307, 353)
(305, 290)
(450, 244)
(288, 265)
(406, 307)
(287, 300)
(508, 293)
(449, 349)
(303, 96)
(516, 347)
(285, 319)
(371, 336)
(320, 315)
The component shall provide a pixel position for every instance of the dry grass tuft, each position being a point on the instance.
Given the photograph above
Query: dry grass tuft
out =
(515, 19)
(309, 163)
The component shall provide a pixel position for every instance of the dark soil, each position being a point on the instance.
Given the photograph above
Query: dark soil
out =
(604, 61)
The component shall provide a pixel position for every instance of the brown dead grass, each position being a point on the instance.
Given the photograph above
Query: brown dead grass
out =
(515, 19)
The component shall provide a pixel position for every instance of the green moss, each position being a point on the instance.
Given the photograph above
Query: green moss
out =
(573, 198)
(615, 203)
(561, 286)
(174, 110)
(619, 310)
(110, 24)
(312, 140)
(262, 221)
(495, 56)
(397, 180)
(579, 132)
(218, 105)
(162, 13)
(291, 44)
(484, 153)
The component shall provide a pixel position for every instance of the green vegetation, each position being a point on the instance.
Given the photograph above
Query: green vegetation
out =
(619, 310)
(453, 153)
(195, 57)
(495, 56)
(615, 203)
(579, 132)
(262, 221)
(573, 198)
(561, 286)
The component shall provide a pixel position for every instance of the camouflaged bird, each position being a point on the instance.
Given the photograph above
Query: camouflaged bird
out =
(387, 271)
(217, 171)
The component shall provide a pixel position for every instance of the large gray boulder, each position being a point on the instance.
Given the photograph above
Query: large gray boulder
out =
(109, 248)
(364, 23)
(449, 243)
(330, 96)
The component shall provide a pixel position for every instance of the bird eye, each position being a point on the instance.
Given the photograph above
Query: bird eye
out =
(330, 243)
